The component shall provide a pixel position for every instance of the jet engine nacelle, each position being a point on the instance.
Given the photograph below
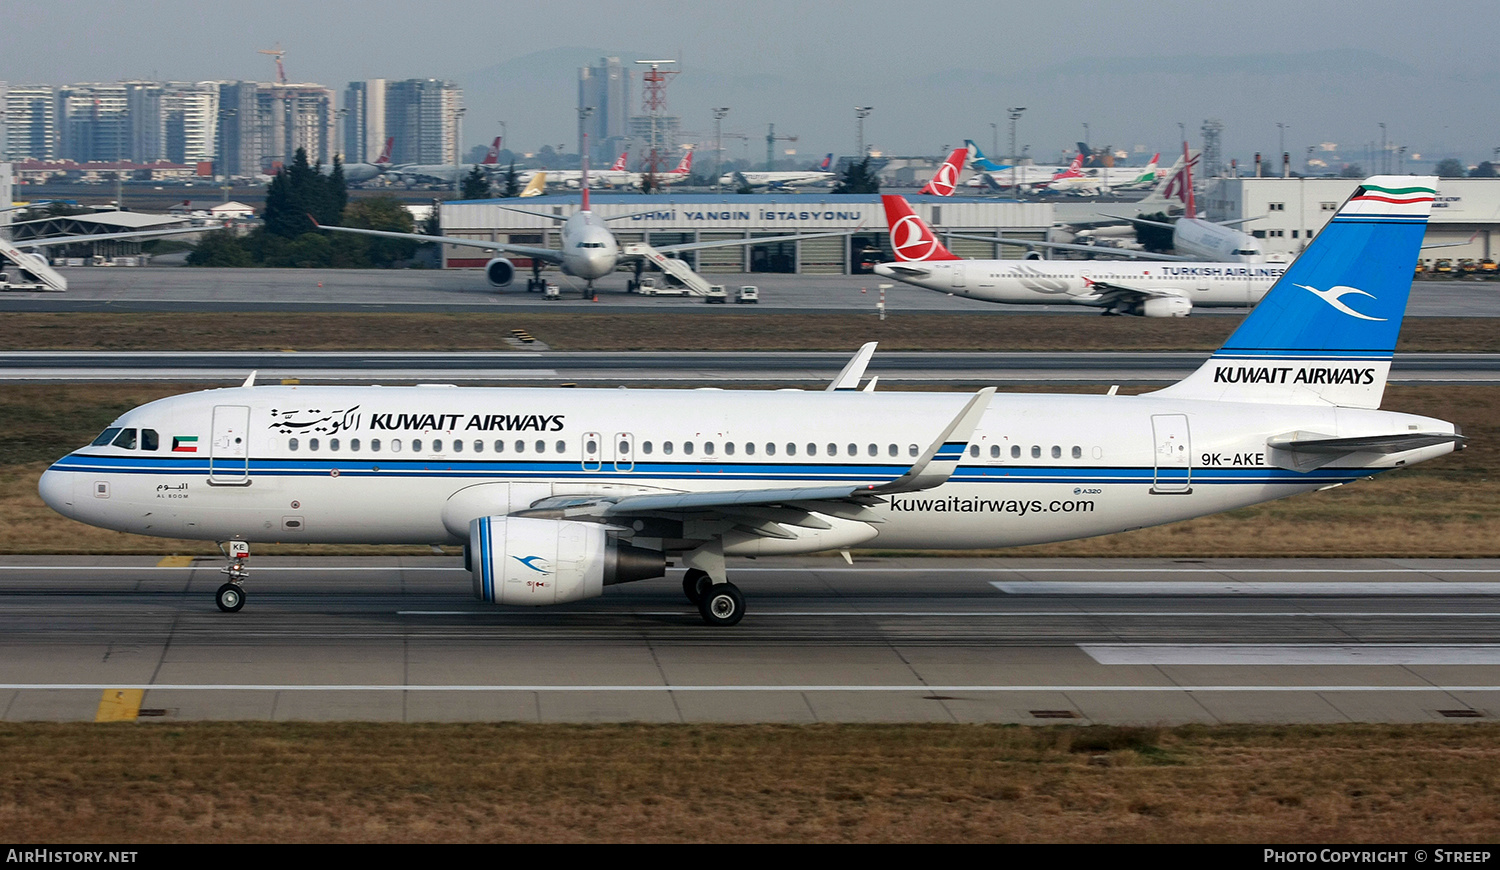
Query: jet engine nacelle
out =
(529, 561)
(499, 272)
(1166, 306)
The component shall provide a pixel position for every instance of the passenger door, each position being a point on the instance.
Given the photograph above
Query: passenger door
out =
(229, 448)
(1174, 454)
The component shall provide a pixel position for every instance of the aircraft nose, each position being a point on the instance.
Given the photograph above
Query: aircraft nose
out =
(56, 489)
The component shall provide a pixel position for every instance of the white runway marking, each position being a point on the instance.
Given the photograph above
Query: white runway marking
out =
(262, 687)
(1291, 654)
(1229, 587)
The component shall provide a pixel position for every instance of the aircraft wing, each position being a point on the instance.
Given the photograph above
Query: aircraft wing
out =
(1108, 293)
(50, 241)
(1098, 250)
(548, 255)
(698, 246)
(763, 511)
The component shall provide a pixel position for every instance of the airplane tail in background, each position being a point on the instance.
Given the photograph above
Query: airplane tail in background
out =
(684, 166)
(912, 240)
(492, 156)
(619, 164)
(979, 161)
(385, 153)
(1326, 331)
(945, 180)
(536, 186)
(827, 162)
(1170, 193)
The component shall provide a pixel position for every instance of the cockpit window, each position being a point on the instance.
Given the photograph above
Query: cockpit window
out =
(125, 440)
(105, 437)
(150, 440)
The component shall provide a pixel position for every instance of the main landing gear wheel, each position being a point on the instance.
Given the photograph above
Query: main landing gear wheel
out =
(722, 604)
(693, 584)
(230, 598)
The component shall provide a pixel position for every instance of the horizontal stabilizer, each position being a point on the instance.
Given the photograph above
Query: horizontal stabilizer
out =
(1305, 442)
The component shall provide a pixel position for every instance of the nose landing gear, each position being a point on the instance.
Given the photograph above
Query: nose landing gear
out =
(231, 596)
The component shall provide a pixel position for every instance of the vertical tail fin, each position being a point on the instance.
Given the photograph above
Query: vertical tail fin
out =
(385, 153)
(492, 156)
(945, 180)
(537, 185)
(827, 162)
(685, 165)
(912, 239)
(619, 164)
(1326, 331)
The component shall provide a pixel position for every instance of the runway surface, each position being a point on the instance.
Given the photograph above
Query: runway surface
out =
(175, 288)
(611, 368)
(886, 640)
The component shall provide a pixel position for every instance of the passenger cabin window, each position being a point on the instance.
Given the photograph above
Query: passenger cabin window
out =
(291, 444)
(833, 450)
(687, 447)
(520, 446)
(374, 445)
(1036, 451)
(974, 450)
(1015, 451)
(478, 446)
(770, 448)
(911, 450)
(894, 450)
(125, 440)
(1077, 452)
(312, 444)
(416, 445)
(105, 437)
(791, 449)
(541, 446)
(1056, 452)
(499, 446)
(646, 447)
(994, 451)
(728, 448)
(749, 448)
(666, 447)
(458, 446)
(333, 444)
(354, 444)
(562, 446)
(872, 450)
(853, 450)
(708, 448)
(395, 445)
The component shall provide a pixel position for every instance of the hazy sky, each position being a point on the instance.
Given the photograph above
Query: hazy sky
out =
(936, 73)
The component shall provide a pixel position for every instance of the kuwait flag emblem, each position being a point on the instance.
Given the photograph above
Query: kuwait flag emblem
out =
(184, 443)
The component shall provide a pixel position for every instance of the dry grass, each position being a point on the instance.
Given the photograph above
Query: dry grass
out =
(373, 783)
(983, 331)
(1443, 509)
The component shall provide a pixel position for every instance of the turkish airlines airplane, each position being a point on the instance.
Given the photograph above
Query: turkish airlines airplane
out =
(1113, 286)
(821, 174)
(446, 173)
(356, 173)
(945, 179)
(589, 249)
(615, 176)
(557, 494)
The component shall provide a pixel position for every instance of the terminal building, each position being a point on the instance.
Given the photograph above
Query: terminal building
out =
(1291, 212)
(688, 218)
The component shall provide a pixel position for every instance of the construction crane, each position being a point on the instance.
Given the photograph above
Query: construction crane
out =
(771, 140)
(276, 52)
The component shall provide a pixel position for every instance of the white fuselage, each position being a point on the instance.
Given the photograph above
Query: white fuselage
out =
(779, 179)
(1192, 237)
(589, 249)
(416, 464)
(1042, 282)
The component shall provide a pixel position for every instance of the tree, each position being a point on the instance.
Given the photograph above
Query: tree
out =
(221, 249)
(512, 182)
(476, 184)
(381, 213)
(1451, 168)
(301, 190)
(1484, 170)
(1352, 170)
(858, 179)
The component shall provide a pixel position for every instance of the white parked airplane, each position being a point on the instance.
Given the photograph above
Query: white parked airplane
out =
(558, 493)
(1114, 286)
(821, 174)
(445, 173)
(615, 176)
(589, 249)
(357, 173)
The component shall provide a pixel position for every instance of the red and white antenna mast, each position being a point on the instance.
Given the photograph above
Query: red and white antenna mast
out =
(654, 104)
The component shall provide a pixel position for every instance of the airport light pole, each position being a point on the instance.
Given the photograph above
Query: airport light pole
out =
(1383, 159)
(994, 138)
(719, 114)
(861, 113)
(1014, 113)
(458, 148)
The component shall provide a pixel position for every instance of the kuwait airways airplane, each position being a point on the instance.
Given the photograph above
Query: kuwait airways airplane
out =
(559, 493)
(1113, 286)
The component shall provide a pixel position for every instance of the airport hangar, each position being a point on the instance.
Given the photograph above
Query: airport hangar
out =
(669, 219)
(1291, 211)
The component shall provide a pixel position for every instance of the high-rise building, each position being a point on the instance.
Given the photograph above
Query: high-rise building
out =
(190, 120)
(262, 125)
(30, 122)
(606, 88)
(364, 121)
(94, 120)
(422, 115)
